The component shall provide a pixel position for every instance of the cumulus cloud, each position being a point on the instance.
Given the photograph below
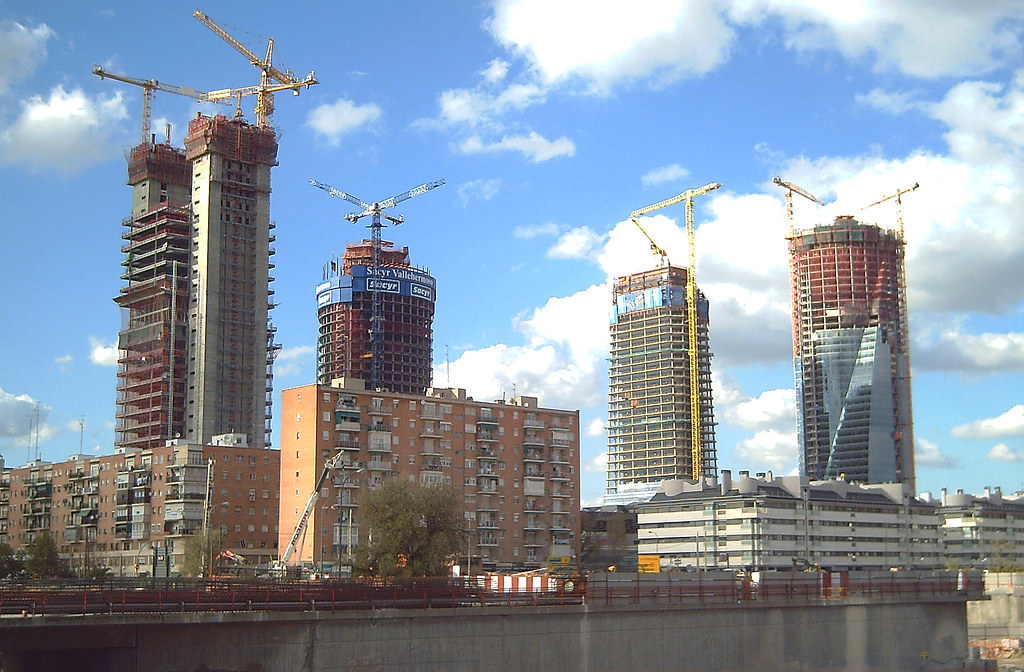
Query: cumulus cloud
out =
(1004, 453)
(495, 71)
(578, 243)
(292, 361)
(533, 146)
(17, 413)
(66, 132)
(612, 41)
(672, 173)
(769, 449)
(1008, 424)
(483, 190)
(929, 454)
(953, 350)
(598, 465)
(337, 119)
(22, 49)
(63, 363)
(101, 352)
(595, 428)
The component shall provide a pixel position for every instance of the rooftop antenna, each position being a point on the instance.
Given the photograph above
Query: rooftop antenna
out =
(447, 368)
(81, 424)
(37, 430)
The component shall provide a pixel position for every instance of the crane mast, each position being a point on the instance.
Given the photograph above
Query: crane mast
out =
(375, 212)
(790, 190)
(148, 87)
(268, 73)
(696, 431)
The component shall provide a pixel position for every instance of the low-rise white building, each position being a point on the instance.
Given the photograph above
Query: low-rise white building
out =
(982, 531)
(778, 522)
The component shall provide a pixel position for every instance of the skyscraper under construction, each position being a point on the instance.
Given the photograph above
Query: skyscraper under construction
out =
(851, 353)
(345, 308)
(649, 410)
(196, 344)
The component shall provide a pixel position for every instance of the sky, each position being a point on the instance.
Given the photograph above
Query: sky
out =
(550, 122)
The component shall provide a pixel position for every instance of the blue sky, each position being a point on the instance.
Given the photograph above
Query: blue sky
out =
(550, 123)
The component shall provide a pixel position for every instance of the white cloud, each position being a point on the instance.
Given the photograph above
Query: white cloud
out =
(102, 352)
(923, 40)
(672, 173)
(483, 190)
(929, 454)
(771, 408)
(954, 350)
(17, 413)
(63, 363)
(1004, 453)
(598, 465)
(596, 428)
(769, 449)
(495, 71)
(532, 231)
(893, 102)
(340, 118)
(291, 361)
(533, 146)
(22, 49)
(612, 41)
(66, 132)
(1009, 424)
(578, 243)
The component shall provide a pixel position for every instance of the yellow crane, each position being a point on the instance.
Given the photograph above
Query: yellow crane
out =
(691, 309)
(268, 73)
(148, 87)
(899, 205)
(790, 189)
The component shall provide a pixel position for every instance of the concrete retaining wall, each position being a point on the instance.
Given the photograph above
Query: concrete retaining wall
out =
(841, 637)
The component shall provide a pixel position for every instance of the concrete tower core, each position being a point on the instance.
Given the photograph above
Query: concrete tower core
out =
(345, 308)
(851, 353)
(649, 439)
(231, 346)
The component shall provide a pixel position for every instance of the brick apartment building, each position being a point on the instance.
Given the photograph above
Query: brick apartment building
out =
(515, 464)
(114, 510)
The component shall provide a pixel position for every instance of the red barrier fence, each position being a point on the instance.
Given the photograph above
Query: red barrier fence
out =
(685, 588)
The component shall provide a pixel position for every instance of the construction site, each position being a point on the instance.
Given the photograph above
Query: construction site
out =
(345, 312)
(851, 352)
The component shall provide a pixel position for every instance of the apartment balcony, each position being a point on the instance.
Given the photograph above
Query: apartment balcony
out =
(484, 524)
(561, 442)
(533, 506)
(379, 465)
(560, 475)
(560, 493)
(347, 425)
(431, 432)
(531, 455)
(379, 448)
(486, 454)
(534, 526)
(559, 457)
(376, 426)
(531, 422)
(535, 474)
(430, 466)
(429, 415)
(533, 440)
(487, 541)
(486, 435)
(348, 445)
(379, 411)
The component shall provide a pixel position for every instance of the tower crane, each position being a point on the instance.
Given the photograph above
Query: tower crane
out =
(376, 212)
(899, 205)
(790, 189)
(148, 87)
(268, 73)
(696, 454)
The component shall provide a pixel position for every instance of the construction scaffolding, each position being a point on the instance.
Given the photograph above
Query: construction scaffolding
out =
(231, 344)
(851, 352)
(152, 342)
(345, 310)
(649, 426)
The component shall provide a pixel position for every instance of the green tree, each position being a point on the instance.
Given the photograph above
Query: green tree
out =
(414, 529)
(10, 563)
(200, 548)
(42, 559)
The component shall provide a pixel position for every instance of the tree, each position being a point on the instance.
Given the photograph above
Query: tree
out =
(10, 563)
(200, 548)
(42, 559)
(414, 529)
